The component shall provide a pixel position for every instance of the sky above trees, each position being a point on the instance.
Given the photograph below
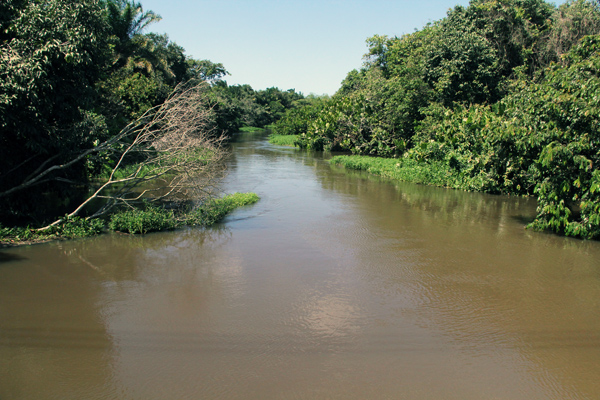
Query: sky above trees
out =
(307, 45)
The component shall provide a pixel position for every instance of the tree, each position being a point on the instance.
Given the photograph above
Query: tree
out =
(461, 65)
(205, 70)
(570, 22)
(378, 51)
(50, 57)
(127, 20)
(516, 29)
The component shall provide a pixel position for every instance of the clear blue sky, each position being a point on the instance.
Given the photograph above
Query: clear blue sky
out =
(307, 45)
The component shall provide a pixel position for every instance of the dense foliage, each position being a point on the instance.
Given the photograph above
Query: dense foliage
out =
(238, 106)
(501, 96)
(75, 74)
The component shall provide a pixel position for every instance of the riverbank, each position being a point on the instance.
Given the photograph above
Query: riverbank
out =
(146, 220)
(407, 170)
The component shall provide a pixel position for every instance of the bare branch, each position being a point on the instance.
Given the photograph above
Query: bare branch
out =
(169, 153)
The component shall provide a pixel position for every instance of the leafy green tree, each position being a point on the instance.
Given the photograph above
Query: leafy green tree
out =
(127, 20)
(52, 52)
(572, 20)
(240, 105)
(517, 30)
(351, 83)
(205, 70)
(562, 109)
(376, 57)
(461, 65)
(297, 120)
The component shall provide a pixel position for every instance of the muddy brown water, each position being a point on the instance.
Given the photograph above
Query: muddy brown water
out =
(334, 286)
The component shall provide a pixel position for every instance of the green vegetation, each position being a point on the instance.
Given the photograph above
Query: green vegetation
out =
(215, 210)
(283, 140)
(408, 170)
(238, 107)
(142, 220)
(500, 96)
(70, 228)
(148, 219)
(250, 129)
(153, 218)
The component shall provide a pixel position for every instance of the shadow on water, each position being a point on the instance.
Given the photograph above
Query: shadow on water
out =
(523, 219)
(8, 257)
(441, 205)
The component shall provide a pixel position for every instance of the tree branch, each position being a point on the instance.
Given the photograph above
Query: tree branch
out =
(179, 155)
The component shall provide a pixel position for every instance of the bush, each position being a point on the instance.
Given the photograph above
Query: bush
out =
(76, 227)
(151, 219)
(215, 210)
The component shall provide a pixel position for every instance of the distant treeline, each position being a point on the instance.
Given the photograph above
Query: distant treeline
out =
(73, 74)
(502, 96)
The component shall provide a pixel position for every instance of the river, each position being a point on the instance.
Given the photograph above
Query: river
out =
(335, 285)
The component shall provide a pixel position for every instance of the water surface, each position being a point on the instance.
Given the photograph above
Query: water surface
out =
(335, 285)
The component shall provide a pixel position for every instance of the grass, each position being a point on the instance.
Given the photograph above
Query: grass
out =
(283, 140)
(70, 228)
(149, 219)
(139, 221)
(153, 219)
(406, 169)
(250, 129)
(215, 210)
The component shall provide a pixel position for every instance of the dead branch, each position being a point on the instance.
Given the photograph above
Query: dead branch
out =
(168, 153)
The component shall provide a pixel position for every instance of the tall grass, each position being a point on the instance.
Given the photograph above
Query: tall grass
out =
(403, 169)
(283, 140)
(250, 129)
(215, 210)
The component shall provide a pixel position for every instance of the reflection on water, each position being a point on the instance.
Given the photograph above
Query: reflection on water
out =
(334, 285)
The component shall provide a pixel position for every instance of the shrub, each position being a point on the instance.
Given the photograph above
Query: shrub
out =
(143, 221)
(215, 210)
(76, 227)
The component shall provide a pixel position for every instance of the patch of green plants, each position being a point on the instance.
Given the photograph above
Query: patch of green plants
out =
(404, 169)
(250, 129)
(153, 219)
(77, 227)
(69, 228)
(19, 234)
(149, 219)
(215, 210)
(283, 140)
